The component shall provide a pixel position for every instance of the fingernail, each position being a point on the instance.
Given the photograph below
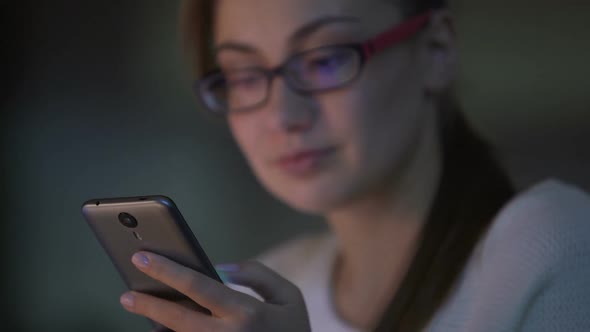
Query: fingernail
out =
(228, 268)
(140, 260)
(128, 301)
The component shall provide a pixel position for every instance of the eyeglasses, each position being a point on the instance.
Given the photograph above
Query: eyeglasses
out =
(313, 71)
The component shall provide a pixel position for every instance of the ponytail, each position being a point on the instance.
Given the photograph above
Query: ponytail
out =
(472, 190)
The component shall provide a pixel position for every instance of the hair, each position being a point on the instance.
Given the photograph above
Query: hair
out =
(196, 28)
(413, 7)
(472, 189)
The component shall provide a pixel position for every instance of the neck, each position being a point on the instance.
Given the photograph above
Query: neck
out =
(378, 233)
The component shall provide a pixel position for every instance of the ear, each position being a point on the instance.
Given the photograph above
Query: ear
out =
(441, 53)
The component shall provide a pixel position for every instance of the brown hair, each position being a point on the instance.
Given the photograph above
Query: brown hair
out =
(473, 188)
(196, 27)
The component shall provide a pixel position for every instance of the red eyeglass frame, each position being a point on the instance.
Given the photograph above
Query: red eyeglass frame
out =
(395, 35)
(367, 49)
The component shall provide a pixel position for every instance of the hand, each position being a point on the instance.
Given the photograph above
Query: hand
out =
(283, 310)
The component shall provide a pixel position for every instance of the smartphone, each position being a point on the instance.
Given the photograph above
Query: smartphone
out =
(124, 226)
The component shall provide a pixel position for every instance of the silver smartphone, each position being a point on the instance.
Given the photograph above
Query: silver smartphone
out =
(127, 225)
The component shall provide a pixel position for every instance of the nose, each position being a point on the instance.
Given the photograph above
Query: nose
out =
(291, 111)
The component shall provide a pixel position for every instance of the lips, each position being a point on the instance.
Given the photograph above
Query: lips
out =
(304, 162)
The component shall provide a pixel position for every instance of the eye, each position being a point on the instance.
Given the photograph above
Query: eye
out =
(327, 62)
(244, 79)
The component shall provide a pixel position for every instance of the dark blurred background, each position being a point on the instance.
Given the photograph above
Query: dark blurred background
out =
(96, 103)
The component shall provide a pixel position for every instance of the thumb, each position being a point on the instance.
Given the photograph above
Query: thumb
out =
(267, 283)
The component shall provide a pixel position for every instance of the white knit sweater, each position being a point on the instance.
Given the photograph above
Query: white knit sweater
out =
(530, 272)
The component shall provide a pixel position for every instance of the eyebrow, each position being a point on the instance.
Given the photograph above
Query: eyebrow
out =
(313, 26)
(296, 38)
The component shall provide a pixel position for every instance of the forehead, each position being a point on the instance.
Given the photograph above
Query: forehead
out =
(271, 22)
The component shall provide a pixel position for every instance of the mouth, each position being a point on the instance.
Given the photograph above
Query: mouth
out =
(304, 162)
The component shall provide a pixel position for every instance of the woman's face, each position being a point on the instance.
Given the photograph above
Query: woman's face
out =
(318, 152)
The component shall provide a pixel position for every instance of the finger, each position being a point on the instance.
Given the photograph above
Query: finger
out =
(172, 315)
(160, 328)
(209, 293)
(270, 285)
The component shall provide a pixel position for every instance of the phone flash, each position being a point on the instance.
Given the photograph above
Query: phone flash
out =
(137, 236)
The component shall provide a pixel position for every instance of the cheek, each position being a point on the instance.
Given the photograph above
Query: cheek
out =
(245, 133)
(374, 114)
(385, 99)
(374, 123)
(378, 122)
(392, 102)
(256, 145)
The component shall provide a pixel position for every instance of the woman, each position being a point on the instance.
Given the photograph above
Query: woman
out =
(344, 108)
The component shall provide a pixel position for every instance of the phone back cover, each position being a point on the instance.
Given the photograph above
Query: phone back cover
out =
(161, 229)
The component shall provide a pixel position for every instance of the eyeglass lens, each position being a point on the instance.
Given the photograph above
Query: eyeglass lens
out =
(315, 70)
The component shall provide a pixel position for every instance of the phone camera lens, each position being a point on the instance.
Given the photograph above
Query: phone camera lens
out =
(127, 220)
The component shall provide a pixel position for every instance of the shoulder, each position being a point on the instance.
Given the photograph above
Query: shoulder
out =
(548, 202)
(533, 262)
(551, 221)
(539, 249)
(537, 238)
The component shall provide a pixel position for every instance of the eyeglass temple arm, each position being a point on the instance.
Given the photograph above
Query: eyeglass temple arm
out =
(395, 35)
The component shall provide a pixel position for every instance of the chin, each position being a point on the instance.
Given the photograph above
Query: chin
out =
(308, 205)
(315, 197)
